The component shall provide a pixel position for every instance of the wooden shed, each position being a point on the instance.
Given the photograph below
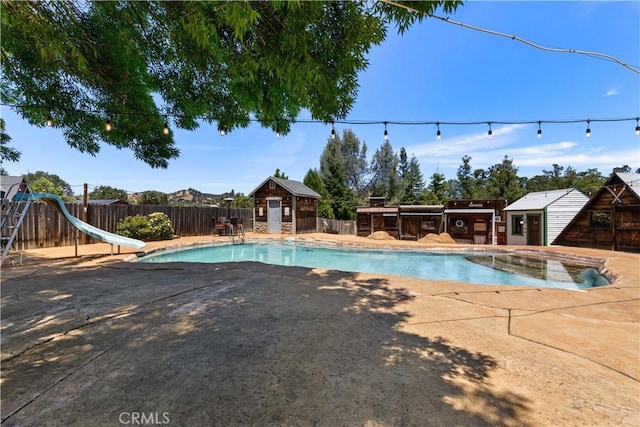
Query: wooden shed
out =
(537, 218)
(475, 221)
(416, 221)
(610, 219)
(284, 206)
(377, 218)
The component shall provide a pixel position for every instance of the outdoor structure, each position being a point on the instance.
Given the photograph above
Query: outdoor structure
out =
(610, 219)
(475, 221)
(538, 218)
(416, 221)
(11, 185)
(284, 206)
(377, 218)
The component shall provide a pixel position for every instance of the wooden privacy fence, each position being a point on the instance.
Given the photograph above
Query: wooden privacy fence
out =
(336, 226)
(43, 227)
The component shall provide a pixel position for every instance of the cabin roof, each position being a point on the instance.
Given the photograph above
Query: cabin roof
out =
(632, 180)
(296, 188)
(541, 199)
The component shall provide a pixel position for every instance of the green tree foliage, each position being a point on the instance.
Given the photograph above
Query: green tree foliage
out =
(153, 198)
(384, 168)
(155, 226)
(334, 176)
(411, 179)
(622, 169)
(590, 181)
(7, 154)
(504, 183)
(278, 174)
(355, 162)
(468, 182)
(560, 177)
(437, 192)
(242, 202)
(314, 181)
(106, 192)
(139, 64)
(44, 185)
(34, 181)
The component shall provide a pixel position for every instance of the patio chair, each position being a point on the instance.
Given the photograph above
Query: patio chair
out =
(219, 226)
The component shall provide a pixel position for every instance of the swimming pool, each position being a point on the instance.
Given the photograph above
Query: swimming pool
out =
(484, 268)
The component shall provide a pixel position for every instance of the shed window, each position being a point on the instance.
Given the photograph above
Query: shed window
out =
(600, 219)
(272, 185)
(517, 222)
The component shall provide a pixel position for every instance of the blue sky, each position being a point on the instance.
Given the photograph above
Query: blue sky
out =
(434, 72)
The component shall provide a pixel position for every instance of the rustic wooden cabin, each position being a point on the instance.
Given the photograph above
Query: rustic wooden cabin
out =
(416, 221)
(284, 206)
(475, 221)
(610, 219)
(371, 219)
(537, 218)
(377, 217)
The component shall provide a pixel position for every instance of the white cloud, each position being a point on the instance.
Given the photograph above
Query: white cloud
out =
(612, 92)
(451, 149)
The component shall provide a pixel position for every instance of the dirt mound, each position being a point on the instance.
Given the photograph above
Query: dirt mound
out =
(437, 238)
(380, 235)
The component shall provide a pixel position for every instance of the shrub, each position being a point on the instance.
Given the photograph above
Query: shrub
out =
(155, 226)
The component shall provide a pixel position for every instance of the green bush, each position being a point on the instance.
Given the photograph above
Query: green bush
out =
(155, 226)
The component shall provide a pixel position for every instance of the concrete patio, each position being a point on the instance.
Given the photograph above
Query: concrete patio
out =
(95, 340)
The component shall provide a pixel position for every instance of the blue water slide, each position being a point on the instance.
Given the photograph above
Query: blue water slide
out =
(56, 203)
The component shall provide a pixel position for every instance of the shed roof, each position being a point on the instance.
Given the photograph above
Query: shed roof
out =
(540, 199)
(632, 180)
(296, 188)
(10, 184)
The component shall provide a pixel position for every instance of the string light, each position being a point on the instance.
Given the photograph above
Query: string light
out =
(588, 131)
(386, 134)
(277, 133)
(166, 130)
(108, 125)
(438, 134)
(539, 130)
(490, 133)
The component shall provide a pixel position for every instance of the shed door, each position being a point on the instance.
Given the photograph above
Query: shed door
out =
(533, 230)
(274, 216)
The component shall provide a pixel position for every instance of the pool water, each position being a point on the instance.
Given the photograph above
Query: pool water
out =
(484, 268)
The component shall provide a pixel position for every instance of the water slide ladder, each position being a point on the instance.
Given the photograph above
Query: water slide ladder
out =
(13, 213)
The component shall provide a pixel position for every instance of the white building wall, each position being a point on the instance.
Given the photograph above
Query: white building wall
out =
(516, 239)
(562, 211)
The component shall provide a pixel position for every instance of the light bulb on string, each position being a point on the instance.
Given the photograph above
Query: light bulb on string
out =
(108, 126)
(637, 126)
(222, 132)
(49, 121)
(539, 130)
(333, 131)
(386, 134)
(165, 129)
(588, 131)
(438, 134)
(490, 133)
